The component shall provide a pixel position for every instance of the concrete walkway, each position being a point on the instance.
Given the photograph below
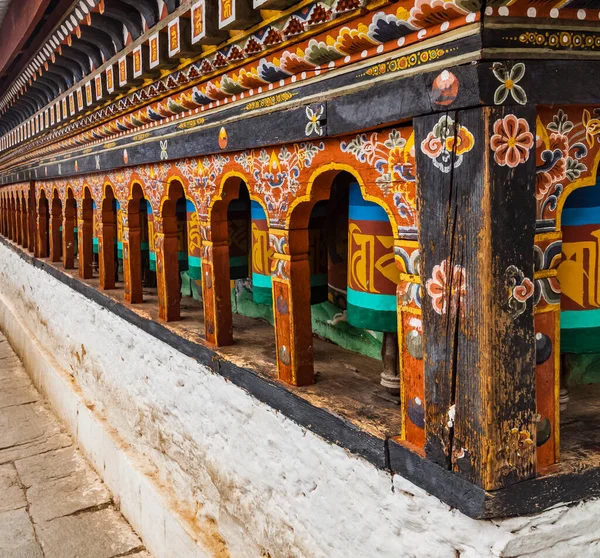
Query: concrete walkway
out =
(52, 503)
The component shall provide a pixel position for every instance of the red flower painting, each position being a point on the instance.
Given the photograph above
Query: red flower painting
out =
(446, 284)
(512, 141)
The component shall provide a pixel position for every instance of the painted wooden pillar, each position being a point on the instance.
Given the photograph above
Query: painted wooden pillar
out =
(55, 236)
(548, 247)
(107, 230)
(42, 235)
(132, 254)
(410, 340)
(476, 177)
(13, 220)
(68, 239)
(85, 230)
(167, 268)
(32, 218)
(291, 305)
(25, 223)
(216, 290)
(18, 222)
(3, 217)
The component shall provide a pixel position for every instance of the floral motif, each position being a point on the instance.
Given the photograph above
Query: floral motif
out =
(509, 81)
(520, 290)
(559, 159)
(314, 116)
(447, 287)
(393, 158)
(512, 141)
(276, 173)
(446, 144)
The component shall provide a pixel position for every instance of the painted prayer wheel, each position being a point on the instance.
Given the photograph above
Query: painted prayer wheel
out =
(94, 221)
(193, 241)
(182, 249)
(372, 272)
(238, 220)
(317, 235)
(119, 236)
(579, 272)
(261, 256)
(152, 251)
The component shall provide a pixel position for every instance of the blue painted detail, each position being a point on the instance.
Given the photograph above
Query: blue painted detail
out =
(257, 212)
(574, 216)
(363, 210)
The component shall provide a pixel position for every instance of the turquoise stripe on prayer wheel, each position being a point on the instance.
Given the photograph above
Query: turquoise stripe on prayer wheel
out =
(372, 272)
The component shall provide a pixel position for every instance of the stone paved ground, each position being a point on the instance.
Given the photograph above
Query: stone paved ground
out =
(52, 503)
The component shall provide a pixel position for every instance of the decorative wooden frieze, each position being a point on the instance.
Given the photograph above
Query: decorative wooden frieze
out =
(205, 24)
(65, 107)
(98, 87)
(89, 94)
(237, 14)
(79, 93)
(179, 38)
(71, 105)
(110, 79)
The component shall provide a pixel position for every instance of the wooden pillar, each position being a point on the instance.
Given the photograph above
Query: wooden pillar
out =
(55, 236)
(216, 290)
(42, 233)
(85, 230)
(132, 253)
(476, 176)
(410, 341)
(167, 268)
(3, 213)
(24, 223)
(291, 305)
(107, 230)
(68, 237)
(32, 218)
(18, 213)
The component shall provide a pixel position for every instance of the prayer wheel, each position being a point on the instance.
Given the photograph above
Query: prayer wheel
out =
(193, 241)
(151, 250)
(119, 235)
(372, 272)
(95, 239)
(261, 256)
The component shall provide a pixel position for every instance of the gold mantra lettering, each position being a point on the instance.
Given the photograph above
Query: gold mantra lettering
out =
(362, 259)
(194, 238)
(261, 254)
(578, 272)
(226, 9)
(198, 23)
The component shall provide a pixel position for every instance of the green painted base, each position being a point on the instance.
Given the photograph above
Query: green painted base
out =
(376, 320)
(262, 295)
(585, 369)
(583, 340)
(328, 321)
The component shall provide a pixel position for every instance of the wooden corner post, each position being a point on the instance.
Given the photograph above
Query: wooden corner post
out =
(290, 272)
(476, 177)
(216, 290)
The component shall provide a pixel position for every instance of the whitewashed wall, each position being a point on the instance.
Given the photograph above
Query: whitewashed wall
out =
(201, 468)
